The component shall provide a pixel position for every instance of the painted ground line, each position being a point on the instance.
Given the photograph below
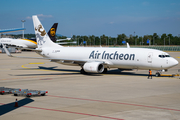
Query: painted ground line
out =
(86, 114)
(147, 106)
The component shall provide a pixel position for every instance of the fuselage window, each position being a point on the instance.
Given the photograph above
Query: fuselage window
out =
(163, 56)
(168, 56)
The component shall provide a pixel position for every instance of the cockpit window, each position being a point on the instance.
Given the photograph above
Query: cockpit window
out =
(167, 55)
(163, 56)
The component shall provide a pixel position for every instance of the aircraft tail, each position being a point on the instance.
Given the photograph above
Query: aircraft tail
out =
(52, 32)
(42, 38)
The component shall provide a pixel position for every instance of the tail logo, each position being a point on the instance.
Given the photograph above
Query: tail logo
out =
(43, 32)
(40, 35)
(52, 31)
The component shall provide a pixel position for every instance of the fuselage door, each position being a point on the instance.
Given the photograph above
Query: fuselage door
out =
(149, 58)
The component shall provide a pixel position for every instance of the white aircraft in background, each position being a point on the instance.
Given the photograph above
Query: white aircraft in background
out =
(28, 43)
(98, 59)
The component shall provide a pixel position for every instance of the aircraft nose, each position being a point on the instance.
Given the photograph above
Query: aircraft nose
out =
(174, 62)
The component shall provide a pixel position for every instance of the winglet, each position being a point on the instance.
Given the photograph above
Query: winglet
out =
(6, 50)
(128, 45)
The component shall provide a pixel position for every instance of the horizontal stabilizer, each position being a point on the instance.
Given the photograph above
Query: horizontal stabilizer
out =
(63, 39)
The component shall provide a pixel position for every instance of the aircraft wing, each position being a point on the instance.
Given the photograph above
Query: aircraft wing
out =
(68, 61)
(12, 30)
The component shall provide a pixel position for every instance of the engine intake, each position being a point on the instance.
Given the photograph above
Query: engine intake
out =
(93, 67)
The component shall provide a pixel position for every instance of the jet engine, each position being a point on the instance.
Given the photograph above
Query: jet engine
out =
(93, 67)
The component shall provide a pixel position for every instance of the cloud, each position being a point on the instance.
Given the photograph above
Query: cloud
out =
(45, 16)
(40, 16)
(111, 22)
(28, 17)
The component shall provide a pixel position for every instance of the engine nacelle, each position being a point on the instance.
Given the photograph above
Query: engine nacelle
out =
(93, 67)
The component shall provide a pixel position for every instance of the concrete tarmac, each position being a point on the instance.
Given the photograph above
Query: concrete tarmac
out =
(126, 95)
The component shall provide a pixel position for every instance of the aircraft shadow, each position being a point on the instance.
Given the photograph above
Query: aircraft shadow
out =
(110, 72)
(52, 69)
(48, 74)
(10, 107)
(131, 73)
(48, 68)
(115, 71)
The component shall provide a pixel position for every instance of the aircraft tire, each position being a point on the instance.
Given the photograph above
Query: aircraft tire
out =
(105, 70)
(157, 74)
(82, 71)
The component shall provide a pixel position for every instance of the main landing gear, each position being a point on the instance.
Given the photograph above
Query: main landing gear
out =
(82, 71)
(105, 70)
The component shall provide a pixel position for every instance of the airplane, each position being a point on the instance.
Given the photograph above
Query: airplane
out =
(98, 59)
(28, 43)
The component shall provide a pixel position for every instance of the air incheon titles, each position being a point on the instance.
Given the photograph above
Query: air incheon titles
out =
(112, 56)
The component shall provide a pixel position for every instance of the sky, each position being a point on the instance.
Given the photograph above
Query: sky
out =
(94, 17)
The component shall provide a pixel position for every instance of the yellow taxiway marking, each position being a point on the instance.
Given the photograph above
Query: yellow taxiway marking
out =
(23, 66)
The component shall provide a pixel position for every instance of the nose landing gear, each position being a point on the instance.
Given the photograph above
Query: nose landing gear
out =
(158, 74)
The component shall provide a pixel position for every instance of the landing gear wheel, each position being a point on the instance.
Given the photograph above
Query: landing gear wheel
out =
(82, 71)
(157, 74)
(105, 70)
(43, 94)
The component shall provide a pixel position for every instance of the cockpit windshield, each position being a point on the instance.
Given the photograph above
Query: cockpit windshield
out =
(163, 56)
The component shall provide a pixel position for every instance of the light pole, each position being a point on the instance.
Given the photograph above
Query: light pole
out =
(23, 27)
(153, 40)
(116, 41)
(106, 41)
(169, 40)
(134, 38)
(94, 40)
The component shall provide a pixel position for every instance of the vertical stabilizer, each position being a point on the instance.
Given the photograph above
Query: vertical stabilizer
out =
(52, 32)
(42, 38)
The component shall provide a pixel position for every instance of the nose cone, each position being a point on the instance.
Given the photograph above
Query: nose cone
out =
(174, 62)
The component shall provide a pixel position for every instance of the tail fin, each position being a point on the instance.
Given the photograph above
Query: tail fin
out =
(52, 32)
(42, 38)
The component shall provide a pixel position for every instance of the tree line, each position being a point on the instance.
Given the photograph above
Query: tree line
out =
(164, 39)
(155, 39)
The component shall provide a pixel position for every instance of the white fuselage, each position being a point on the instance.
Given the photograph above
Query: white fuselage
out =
(127, 58)
(25, 43)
